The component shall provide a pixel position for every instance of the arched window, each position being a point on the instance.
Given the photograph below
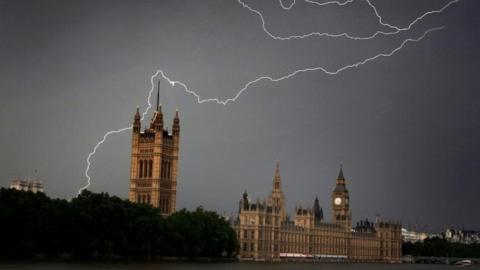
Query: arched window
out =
(144, 200)
(163, 168)
(168, 169)
(145, 168)
(148, 199)
(150, 168)
(140, 172)
(138, 198)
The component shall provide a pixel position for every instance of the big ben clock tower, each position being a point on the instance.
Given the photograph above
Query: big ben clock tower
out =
(341, 213)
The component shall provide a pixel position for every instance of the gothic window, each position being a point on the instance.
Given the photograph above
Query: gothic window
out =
(138, 198)
(163, 169)
(140, 172)
(150, 168)
(168, 169)
(145, 167)
(148, 199)
(165, 173)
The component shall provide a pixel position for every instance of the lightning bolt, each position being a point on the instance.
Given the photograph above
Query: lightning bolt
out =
(293, 73)
(338, 3)
(224, 102)
(395, 29)
(111, 132)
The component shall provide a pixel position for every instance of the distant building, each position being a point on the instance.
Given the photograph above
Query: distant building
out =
(413, 236)
(154, 163)
(33, 186)
(265, 232)
(462, 236)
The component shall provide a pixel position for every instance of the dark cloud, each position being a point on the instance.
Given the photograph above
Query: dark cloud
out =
(406, 127)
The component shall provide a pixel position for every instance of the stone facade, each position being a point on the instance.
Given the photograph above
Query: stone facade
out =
(154, 163)
(265, 232)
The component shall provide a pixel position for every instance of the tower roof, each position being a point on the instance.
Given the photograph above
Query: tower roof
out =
(340, 188)
(340, 173)
(277, 178)
(340, 185)
(158, 95)
(277, 169)
(137, 114)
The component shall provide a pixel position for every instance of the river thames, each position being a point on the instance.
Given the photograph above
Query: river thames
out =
(221, 266)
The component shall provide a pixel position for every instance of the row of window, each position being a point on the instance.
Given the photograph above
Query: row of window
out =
(164, 205)
(166, 172)
(164, 202)
(245, 245)
(143, 198)
(146, 169)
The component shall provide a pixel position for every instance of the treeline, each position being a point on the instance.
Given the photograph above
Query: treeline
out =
(438, 247)
(97, 225)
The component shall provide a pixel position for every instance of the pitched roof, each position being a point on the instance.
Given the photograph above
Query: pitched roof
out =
(340, 174)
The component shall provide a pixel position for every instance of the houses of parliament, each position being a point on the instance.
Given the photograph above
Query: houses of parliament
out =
(154, 162)
(265, 231)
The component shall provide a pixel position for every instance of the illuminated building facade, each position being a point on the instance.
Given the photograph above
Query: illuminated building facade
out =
(154, 163)
(265, 232)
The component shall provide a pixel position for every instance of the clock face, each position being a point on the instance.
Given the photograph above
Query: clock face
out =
(338, 201)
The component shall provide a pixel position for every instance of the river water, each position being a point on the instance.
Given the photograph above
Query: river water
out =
(221, 266)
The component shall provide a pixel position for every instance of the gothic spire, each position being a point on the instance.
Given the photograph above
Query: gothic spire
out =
(158, 95)
(277, 169)
(340, 183)
(340, 173)
(176, 124)
(317, 210)
(137, 114)
(277, 181)
(136, 121)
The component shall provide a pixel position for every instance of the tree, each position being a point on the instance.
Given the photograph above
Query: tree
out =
(97, 224)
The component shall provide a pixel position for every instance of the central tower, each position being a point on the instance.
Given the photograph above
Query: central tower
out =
(277, 198)
(154, 162)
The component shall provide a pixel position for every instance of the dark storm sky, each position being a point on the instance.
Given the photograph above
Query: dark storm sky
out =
(406, 127)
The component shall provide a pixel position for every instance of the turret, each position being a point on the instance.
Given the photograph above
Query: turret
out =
(277, 180)
(244, 201)
(176, 125)
(304, 217)
(317, 211)
(157, 122)
(136, 122)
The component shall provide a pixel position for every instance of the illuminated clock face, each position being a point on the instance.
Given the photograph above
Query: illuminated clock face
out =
(338, 201)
